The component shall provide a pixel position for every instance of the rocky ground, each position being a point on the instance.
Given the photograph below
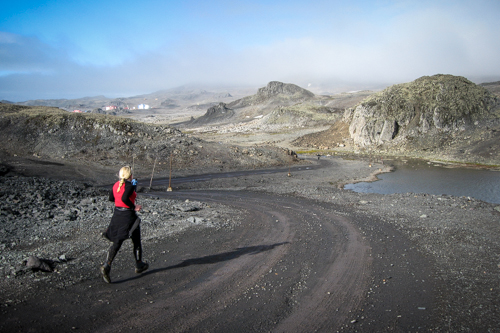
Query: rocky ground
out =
(60, 222)
(458, 234)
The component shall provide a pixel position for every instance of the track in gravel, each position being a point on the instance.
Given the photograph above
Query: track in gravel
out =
(292, 265)
(289, 266)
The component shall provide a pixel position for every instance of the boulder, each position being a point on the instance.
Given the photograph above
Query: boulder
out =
(37, 264)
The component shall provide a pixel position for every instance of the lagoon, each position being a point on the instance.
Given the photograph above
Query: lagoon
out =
(433, 178)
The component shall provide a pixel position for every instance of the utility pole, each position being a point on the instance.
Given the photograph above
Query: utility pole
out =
(169, 189)
(151, 182)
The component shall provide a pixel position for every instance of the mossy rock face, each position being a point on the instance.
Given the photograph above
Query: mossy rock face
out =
(430, 105)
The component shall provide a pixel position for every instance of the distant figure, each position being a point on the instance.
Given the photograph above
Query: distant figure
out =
(319, 155)
(124, 223)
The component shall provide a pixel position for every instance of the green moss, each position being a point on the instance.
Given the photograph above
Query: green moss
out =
(452, 96)
(311, 152)
(469, 164)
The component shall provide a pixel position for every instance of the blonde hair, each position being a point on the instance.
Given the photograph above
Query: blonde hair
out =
(124, 174)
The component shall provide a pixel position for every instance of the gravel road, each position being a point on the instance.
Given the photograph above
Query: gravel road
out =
(266, 252)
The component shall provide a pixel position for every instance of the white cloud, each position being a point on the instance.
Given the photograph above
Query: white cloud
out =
(409, 44)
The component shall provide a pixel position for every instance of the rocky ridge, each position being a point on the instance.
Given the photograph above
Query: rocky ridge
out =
(214, 114)
(54, 135)
(275, 92)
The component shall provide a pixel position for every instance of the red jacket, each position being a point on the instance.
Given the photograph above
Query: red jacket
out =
(124, 198)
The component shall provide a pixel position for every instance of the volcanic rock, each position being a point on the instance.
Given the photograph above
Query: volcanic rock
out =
(37, 264)
(426, 107)
(215, 114)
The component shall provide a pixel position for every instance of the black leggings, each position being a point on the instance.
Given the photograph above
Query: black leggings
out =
(115, 247)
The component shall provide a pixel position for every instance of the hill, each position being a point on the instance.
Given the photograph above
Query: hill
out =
(188, 99)
(51, 135)
(434, 117)
(262, 103)
(441, 116)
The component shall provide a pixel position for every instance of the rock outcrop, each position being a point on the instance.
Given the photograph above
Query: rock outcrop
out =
(442, 117)
(275, 88)
(277, 93)
(426, 107)
(214, 114)
(169, 103)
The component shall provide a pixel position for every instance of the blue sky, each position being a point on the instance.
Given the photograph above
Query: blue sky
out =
(70, 49)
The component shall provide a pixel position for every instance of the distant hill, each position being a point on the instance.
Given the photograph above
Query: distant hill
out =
(275, 94)
(493, 87)
(180, 98)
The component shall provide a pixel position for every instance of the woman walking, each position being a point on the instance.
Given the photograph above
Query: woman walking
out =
(124, 217)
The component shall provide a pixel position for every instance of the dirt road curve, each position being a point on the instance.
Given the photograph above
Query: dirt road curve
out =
(293, 265)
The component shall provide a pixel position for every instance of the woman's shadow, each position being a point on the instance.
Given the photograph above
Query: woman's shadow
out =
(211, 259)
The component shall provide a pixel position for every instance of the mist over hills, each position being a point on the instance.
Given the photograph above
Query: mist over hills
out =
(184, 97)
(189, 97)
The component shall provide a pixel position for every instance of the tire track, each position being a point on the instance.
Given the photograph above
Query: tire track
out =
(291, 265)
(306, 246)
(209, 296)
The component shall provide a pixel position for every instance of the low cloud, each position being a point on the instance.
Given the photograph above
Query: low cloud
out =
(26, 55)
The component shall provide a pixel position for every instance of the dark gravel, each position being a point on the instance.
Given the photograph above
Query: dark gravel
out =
(61, 221)
(459, 235)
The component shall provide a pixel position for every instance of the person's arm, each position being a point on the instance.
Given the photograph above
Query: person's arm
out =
(111, 196)
(129, 189)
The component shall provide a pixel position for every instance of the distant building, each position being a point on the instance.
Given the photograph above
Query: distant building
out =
(111, 107)
(79, 111)
(143, 106)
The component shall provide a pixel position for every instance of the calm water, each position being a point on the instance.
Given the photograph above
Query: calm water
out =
(420, 177)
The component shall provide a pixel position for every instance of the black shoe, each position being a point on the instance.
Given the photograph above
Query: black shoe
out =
(141, 267)
(105, 236)
(105, 273)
